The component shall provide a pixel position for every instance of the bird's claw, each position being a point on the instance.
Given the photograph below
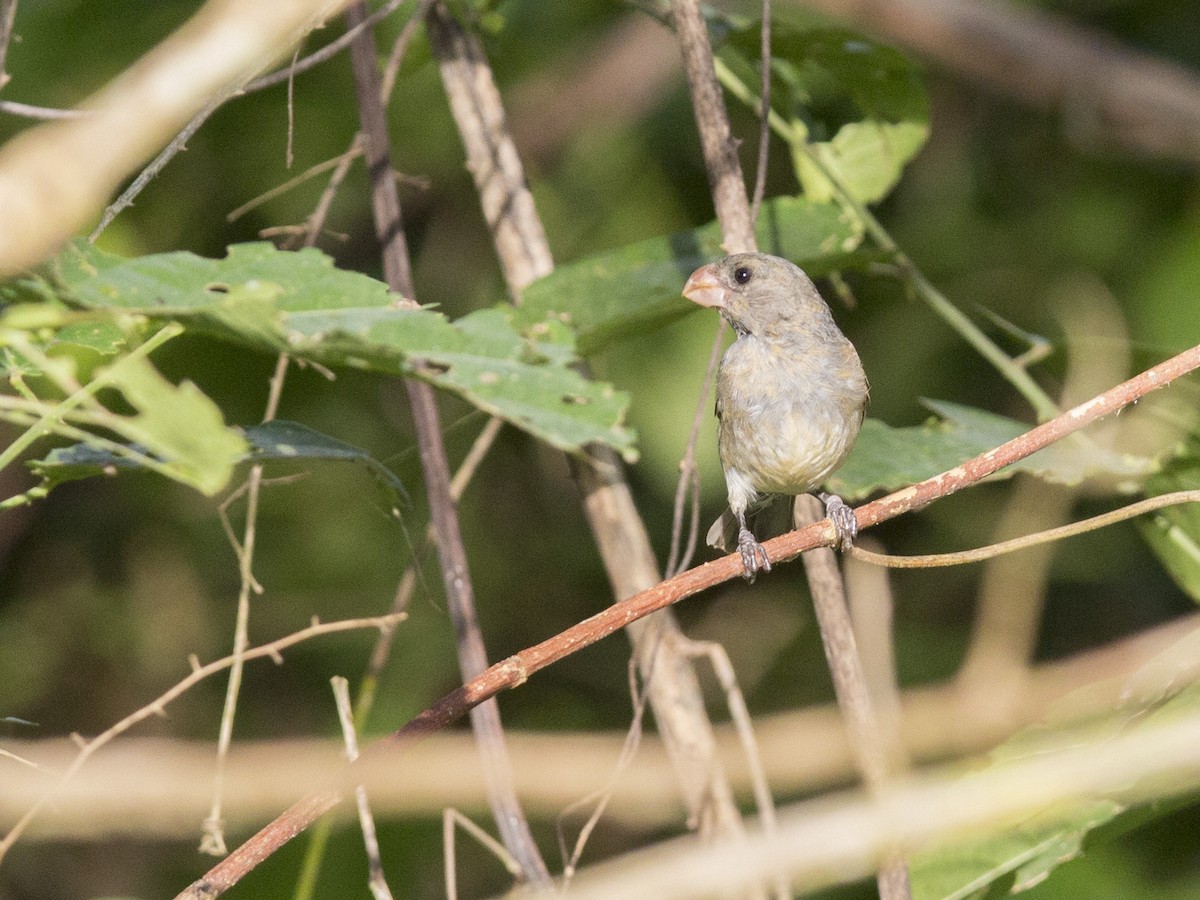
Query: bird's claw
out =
(845, 523)
(754, 555)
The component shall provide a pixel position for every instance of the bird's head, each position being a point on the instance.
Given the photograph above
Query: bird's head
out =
(756, 292)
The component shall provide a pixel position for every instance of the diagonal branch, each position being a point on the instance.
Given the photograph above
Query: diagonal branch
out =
(517, 669)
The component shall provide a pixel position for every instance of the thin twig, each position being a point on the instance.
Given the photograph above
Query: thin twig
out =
(213, 838)
(375, 877)
(764, 119)
(315, 223)
(688, 472)
(288, 157)
(965, 557)
(327, 52)
(295, 181)
(600, 799)
(452, 817)
(44, 113)
(156, 165)
(451, 554)
(8, 15)
(198, 674)
(391, 69)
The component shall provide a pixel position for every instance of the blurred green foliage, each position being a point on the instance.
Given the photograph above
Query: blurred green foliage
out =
(108, 584)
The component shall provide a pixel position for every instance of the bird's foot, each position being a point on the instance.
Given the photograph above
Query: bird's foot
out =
(841, 514)
(754, 555)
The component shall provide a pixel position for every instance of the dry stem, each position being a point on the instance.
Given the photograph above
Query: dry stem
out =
(452, 555)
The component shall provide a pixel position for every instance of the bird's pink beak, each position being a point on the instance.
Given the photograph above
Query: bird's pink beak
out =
(703, 287)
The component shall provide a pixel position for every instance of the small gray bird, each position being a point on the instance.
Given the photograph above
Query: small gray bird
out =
(791, 393)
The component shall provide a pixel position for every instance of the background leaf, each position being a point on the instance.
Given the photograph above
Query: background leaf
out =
(860, 105)
(635, 289)
(277, 440)
(887, 458)
(299, 303)
(1174, 533)
(178, 425)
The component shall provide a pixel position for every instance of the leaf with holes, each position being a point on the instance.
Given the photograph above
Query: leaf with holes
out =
(299, 303)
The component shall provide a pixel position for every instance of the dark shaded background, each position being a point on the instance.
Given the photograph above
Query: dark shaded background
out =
(107, 585)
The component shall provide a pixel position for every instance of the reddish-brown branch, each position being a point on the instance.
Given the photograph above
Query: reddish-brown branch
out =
(517, 669)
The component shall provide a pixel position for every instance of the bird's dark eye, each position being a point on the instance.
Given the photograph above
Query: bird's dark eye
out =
(742, 274)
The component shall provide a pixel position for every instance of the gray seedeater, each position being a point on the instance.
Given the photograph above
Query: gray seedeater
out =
(791, 392)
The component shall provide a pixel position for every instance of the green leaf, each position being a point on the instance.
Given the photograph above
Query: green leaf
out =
(178, 425)
(887, 458)
(636, 288)
(280, 439)
(867, 158)
(299, 303)
(1025, 853)
(1174, 533)
(861, 106)
(271, 441)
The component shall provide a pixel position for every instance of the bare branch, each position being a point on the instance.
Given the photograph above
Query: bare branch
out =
(199, 673)
(452, 555)
(616, 526)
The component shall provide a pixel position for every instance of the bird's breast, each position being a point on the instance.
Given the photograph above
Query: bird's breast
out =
(789, 415)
